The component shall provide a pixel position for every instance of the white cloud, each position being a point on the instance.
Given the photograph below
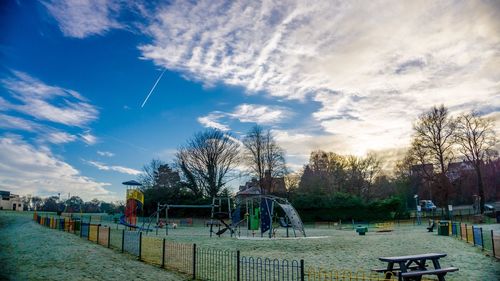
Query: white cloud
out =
(60, 137)
(48, 103)
(370, 73)
(16, 123)
(83, 18)
(44, 133)
(88, 138)
(105, 153)
(261, 114)
(247, 113)
(211, 121)
(26, 169)
(119, 169)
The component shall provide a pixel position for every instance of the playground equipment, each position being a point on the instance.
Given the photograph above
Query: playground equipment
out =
(260, 211)
(135, 201)
(248, 213)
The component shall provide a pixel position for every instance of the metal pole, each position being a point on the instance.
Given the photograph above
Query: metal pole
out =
(492, 243)
(163, 254)
(482, 241)
(140, 245)
(166, 220)
(238, 265)
(302, 275)
(109, 236)
(123, 239)
(194, 261)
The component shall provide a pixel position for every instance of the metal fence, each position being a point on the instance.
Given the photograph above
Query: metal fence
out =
(488, 240)
(228, 265)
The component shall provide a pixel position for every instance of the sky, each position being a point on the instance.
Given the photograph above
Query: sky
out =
(344, 76)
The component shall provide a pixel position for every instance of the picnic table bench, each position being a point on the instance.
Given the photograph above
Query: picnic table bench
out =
(414, 267)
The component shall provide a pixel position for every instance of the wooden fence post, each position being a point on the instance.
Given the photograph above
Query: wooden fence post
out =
(98, 226)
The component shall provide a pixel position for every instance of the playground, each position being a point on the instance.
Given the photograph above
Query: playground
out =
(264, 233)
(328, 248)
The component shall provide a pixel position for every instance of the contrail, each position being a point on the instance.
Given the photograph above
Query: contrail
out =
(152, 89)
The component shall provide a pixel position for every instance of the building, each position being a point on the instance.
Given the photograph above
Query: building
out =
(271, 185)
(9, 201)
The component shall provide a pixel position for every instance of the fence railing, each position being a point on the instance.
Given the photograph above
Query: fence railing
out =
(488, 240)
(228, 265)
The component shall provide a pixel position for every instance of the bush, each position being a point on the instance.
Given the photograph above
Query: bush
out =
(342, 206)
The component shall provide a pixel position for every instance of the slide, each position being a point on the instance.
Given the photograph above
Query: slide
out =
(124, 222)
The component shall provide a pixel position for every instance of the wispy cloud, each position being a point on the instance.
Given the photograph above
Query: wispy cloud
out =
(80, 19)
(261, 114)
(105, 153)
(370, 73)
(48, 103)
(119, 169)
(247, 113)
(43, 133)
(60, 137)
(88, 138)
(28, 169)
(211, 120)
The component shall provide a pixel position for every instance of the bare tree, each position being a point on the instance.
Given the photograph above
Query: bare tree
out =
(264, 155)
(434, 132)
(476, 141)
(432, 144)
(209, 157)
(149, 173)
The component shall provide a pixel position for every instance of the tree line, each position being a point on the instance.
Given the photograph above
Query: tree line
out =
(73, 204)
(208, 162)
(330, 185)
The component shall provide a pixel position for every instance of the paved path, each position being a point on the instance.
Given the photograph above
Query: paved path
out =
(29, 251)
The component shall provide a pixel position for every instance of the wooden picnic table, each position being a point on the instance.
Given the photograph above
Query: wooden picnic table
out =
(413, 267)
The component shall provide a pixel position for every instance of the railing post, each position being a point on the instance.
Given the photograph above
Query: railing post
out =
(140, 244)
(302, 275)
(194, 261)
(238, 265)
(493, 244)
(466, 235)
(81, 228)
(98, 226)
(123, 239)
(109, 236)
(473, 237)
(482, 241)
(163, 254)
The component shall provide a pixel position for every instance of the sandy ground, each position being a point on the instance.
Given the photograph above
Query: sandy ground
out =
(29, 251)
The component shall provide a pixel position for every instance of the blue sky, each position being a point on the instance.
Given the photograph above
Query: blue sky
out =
(333, 75)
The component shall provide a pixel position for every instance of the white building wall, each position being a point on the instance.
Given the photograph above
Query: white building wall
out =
(9, 204)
